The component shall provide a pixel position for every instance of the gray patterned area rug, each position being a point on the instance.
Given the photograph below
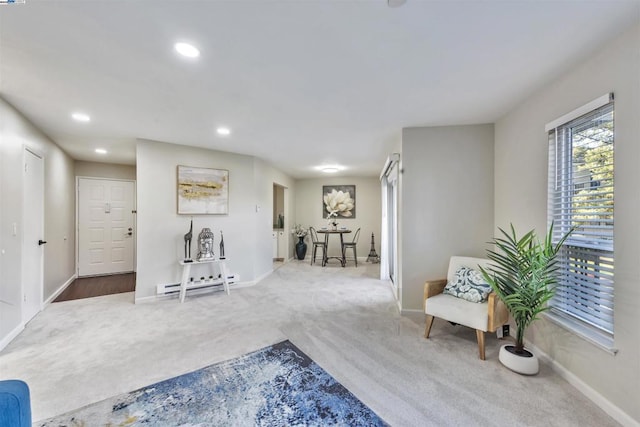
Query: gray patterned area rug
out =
(276, 386)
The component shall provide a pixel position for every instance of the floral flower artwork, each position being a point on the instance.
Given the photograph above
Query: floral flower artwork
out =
(339, 200)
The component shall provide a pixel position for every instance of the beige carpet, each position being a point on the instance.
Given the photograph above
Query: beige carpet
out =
(78, 352)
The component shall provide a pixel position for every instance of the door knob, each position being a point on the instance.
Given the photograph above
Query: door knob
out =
(41, 242)
(130, 233)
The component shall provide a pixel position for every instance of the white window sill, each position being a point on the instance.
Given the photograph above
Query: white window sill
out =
(599, 339)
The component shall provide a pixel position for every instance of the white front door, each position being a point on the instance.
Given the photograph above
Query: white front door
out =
(33, 235)
(105, 226)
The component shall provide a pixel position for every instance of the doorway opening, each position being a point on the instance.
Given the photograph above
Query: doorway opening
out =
(280, 239)
(106, 249)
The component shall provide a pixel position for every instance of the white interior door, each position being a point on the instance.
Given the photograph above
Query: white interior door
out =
(33, 235)
(105, 226)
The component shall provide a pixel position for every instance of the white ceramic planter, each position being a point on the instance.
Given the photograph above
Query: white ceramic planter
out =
(527, 365)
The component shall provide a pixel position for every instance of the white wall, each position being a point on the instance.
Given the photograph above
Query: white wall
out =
(104, 170)
(59, 218)
(247, 230)
(309, 205)
(521, 198)
(446, 186)
(16, 133)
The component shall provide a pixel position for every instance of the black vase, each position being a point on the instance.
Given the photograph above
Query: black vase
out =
(301, 248)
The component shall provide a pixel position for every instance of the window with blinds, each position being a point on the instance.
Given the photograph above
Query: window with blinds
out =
(581, 196)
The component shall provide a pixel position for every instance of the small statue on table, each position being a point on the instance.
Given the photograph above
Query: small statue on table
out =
(221, 245)
(187, 244)
(205, 243)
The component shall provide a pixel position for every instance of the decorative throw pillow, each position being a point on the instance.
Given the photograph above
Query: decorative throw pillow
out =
(469, 285)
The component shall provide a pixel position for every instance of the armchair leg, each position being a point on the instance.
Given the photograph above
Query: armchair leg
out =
(427, 329)
(480, 335)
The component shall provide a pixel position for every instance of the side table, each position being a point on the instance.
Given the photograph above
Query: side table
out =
(186, 273)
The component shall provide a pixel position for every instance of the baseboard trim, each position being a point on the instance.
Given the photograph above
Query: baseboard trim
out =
(7, 339)
(60, 290)
(407, 310)
(605, 404)
(257, 280)
(245, 284)
(152, 298)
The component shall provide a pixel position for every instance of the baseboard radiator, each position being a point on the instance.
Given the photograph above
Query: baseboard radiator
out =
(204, 284)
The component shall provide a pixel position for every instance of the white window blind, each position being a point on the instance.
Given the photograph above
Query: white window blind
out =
(581, 196)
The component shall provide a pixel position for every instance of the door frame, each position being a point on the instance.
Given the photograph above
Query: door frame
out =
(389, 239)
(27, 150)
(135, 217)
(283, 252)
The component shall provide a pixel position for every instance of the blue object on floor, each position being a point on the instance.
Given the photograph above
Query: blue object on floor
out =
(15, 404)
(275, 386)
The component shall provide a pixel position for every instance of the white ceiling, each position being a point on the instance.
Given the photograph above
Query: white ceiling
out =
(300, 83)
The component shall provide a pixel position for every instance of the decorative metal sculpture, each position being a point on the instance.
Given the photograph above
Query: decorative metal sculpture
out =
(187, 244)
(205, 243)
(373, 256)
(221, 245)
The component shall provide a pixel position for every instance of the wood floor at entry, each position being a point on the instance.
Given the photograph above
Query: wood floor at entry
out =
(87, 287)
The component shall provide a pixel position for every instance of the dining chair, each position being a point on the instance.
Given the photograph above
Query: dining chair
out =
(351, 245)
(317, 243)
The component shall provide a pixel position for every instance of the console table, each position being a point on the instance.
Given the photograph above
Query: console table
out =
(186, 273)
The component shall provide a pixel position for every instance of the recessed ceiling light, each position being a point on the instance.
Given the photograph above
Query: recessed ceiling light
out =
(101, 151)
(223, 131)
(396, 3)
(186, 49)
(330, 170)
(80, 117)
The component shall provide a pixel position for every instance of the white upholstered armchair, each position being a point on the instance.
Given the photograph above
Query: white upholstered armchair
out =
(486, 316)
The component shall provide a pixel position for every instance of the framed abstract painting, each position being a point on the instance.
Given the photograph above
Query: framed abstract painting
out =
(203, 191)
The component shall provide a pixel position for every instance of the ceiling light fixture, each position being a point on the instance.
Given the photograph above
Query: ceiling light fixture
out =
(330, 170)
(101, 151)
(80, 117)
(186, 49)
(223, 131)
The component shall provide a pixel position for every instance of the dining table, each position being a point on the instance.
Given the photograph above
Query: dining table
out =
(327, 233)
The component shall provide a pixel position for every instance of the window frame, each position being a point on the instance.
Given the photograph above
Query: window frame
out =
(567, 308)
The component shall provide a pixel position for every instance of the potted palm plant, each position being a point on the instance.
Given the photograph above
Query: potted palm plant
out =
(524, 276)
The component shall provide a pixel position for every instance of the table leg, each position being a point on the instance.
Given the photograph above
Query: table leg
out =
(325, 258)
(223, 272)
(186, 271)
(344, 260)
